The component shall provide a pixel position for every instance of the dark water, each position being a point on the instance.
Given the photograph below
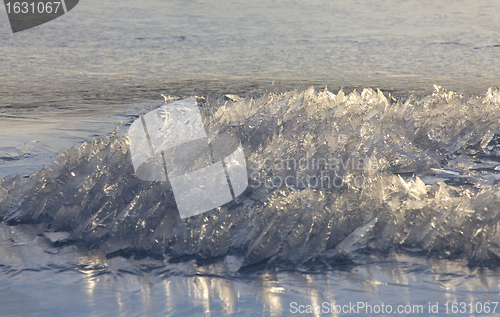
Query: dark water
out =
(422, 227)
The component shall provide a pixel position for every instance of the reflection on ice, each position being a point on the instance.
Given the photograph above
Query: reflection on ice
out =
(82, 284)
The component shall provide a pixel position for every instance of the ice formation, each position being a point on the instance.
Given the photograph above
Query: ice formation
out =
(330, 175)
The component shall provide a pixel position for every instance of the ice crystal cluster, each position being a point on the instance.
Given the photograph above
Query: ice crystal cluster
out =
(331, 175)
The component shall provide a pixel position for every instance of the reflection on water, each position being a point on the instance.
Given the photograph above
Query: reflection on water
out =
(39, 280)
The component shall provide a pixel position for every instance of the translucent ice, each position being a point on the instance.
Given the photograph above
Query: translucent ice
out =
(328, 174)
